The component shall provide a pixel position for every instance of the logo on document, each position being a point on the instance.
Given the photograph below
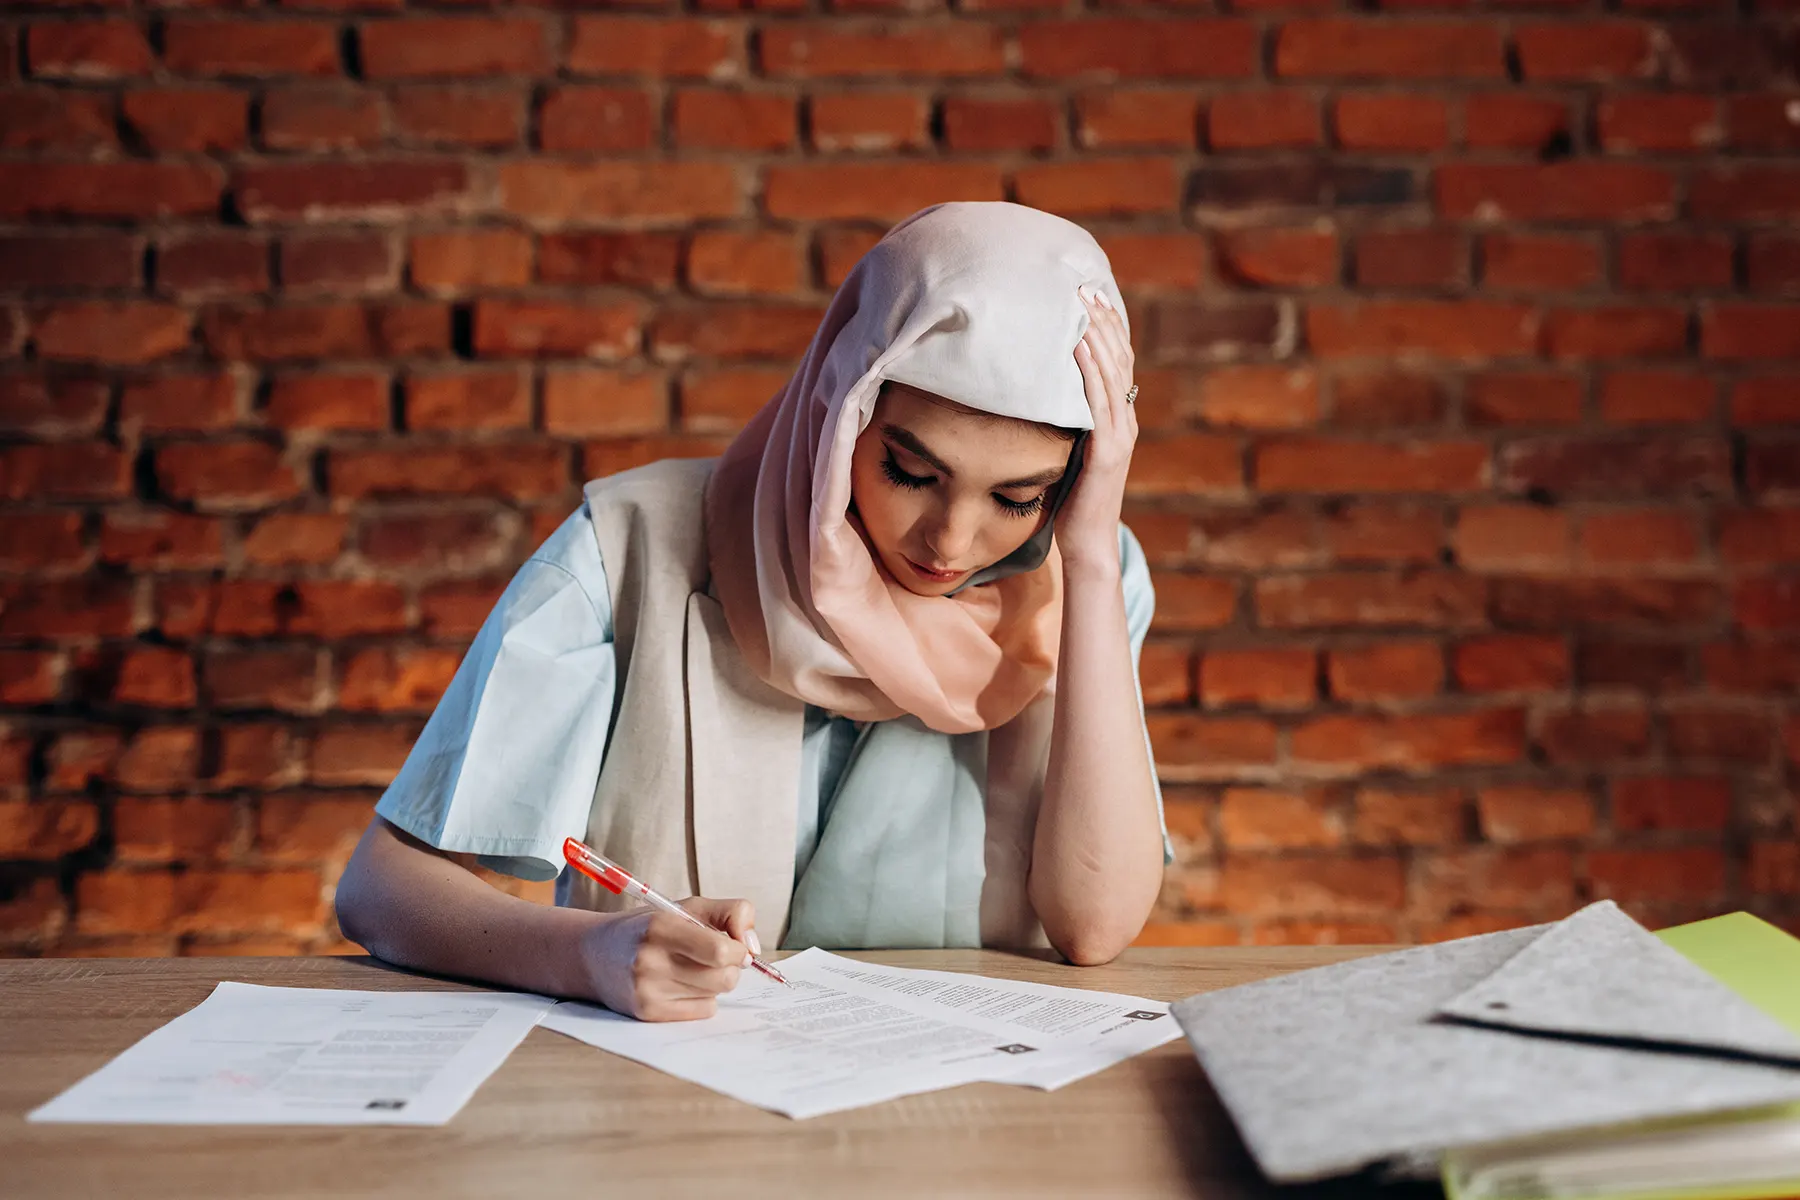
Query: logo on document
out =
(1142, 1015)
(1015, 1048)
(391, 1105)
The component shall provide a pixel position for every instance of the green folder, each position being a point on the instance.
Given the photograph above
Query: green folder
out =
(1762, 964)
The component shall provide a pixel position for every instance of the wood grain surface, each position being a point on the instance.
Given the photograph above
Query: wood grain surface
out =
(560, 1119)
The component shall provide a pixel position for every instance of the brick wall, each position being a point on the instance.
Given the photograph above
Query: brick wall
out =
(1470, 336)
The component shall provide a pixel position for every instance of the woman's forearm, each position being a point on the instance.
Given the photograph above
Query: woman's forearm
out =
(1097, 854)
(414, 907)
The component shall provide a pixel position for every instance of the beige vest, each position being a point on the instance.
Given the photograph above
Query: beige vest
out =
(704, 805)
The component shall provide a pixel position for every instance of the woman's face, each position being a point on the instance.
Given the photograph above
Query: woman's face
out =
(943, 491)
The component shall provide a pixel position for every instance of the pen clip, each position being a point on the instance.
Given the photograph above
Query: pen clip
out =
(594, 867)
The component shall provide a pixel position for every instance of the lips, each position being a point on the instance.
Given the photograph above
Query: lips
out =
(925, 572)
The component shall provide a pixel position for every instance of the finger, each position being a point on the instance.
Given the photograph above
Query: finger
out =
(735, 917)
(1112, 332)
(704, 981)
(701, 946)
(678, 1008)
(1104, 335)
(1097, 397)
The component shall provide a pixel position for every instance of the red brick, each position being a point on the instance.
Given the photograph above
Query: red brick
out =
(1640, 665)
(338, 263)
(58, 121)
(1163, 933)
(1615, 331)
(1585, 52)
(640, 259)
(225, 476)
(1251, 538)
(310, 827)
(705, 119)
(727, 263)
(1593, 734)
(1301, 886)
(1121, 47)
(1343, 48)
(101, 49)
(159, 759)
(1514, 121)
(1751, 667)
(51, 407)
(1745, 193)
(1469, 329)
(1516, 813)
(456, 260)
(1166, 675)
(1639, 539)
(1185, 465)
(1538, 880)
(1674, 873)
(1194, 602)
(1411, 743)
(616, 45)
(1142, 261)
(1261, 819)
(315, 119)
(1540, 262)
(1259, 397)
(221, 900)
(366, 755)
(213, 264)
(735, 331)
(1212, 328)
(1279, 257)
(1332, 466)
(660, 192)
(249, 49)
(1772, 264)
(284, 680)
(109, 190)
(393, 681)
(1379, 533)
(1268, 678)
(1411, 258)
(603, 458)
(1774, 867)
(1617, 466)
(74, 761)
(46, 261)
(36, 541)
(453, 541)
(498, 399)
(108, 332)
(1127, 117)
(1746, 331)
(1390, 121)
(336, 401)
(552, 327)
(159, 539)
(1000, 123)
(1211, 744)
(527, 471)
(484, 118)
(1766, 400)
(43, 830)
(1428, 598)
(1374, 398)
(589, 402)
(1543, 603)
(368, 191)
(73, 608)
(1642, 397)
(31, 676)
(876, 190)
(1385, 671)
(1772, 469)
(596, 119)
(1693, 803)
(64, 471)
(1429, 817)
(192, 829)
(1262, 121)
(822, 51)
(1524, 398)
(723, 400)
(428, 47)
(1569, 191)
(188, 120)
(1659, 122)
(1720, 734)
(1763, 122)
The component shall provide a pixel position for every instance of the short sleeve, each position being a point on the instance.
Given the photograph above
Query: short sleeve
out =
(1140, 607)
(507, 764)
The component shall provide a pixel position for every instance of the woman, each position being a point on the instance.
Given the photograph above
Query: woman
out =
(861, 604)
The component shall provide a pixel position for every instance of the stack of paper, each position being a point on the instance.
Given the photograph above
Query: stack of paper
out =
(1526, 1063)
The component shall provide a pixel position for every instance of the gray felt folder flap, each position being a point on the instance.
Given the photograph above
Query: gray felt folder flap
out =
(1390, 1060)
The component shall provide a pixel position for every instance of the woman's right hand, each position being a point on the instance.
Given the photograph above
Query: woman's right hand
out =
(654, 966)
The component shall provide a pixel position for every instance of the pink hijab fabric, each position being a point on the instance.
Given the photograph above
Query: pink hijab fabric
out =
(975, 302)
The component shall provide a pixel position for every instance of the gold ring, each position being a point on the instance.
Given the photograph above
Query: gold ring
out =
(1131, 394)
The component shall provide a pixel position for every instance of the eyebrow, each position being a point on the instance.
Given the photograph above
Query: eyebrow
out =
(911, 443)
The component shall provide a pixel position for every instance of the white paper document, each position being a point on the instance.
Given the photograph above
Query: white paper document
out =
(253, 1055)
(848, 1033)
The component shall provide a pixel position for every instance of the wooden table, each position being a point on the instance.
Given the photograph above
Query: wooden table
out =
(563, 1120)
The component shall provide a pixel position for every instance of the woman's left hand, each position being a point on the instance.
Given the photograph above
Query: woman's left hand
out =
(1087, 528)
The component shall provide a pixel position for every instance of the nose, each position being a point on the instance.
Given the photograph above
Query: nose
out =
(953, 536)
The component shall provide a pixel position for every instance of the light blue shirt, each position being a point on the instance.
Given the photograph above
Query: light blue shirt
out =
(507, 765)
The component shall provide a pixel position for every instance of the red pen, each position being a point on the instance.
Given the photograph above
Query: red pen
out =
(617, 880)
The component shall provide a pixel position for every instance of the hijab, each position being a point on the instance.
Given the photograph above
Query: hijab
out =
(975, 302)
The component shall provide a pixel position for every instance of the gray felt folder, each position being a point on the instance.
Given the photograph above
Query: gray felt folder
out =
(1389, 1061)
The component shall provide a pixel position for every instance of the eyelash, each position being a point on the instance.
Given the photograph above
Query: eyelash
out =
(913, 483)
